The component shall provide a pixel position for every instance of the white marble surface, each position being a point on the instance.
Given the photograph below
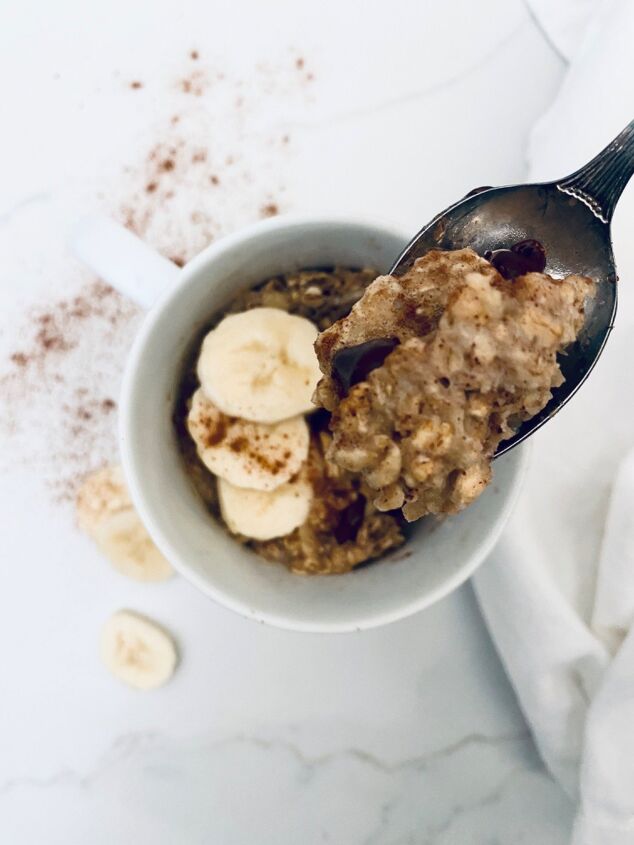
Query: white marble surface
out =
(409, 734)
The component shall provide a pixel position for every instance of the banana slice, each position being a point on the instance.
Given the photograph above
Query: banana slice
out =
(247, 454)
(260, 365)
(124, 541)
(102, 494)
(137, 651)
(105, 512)
(263, 516)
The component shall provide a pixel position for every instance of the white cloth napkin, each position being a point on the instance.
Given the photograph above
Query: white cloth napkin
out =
(558, 592)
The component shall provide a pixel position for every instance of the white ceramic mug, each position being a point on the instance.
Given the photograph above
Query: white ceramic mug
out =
(438, 557)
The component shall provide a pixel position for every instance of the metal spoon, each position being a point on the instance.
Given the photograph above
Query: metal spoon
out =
(571, 218)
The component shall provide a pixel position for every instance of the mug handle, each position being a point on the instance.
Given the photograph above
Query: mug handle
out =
(123, 260)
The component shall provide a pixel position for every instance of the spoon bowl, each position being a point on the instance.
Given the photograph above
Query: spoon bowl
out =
(571, 219)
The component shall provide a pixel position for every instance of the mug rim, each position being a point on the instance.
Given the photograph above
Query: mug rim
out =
(176, 557)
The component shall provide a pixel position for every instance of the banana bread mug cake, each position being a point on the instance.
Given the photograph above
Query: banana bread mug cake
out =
(419, 378)
(254, 443)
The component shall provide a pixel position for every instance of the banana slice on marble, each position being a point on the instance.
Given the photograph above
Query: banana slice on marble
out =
(247, 454)
(262, 515)
(137, 651)
(260, 365)
(124, 541)
(105, 512)
(102, 494)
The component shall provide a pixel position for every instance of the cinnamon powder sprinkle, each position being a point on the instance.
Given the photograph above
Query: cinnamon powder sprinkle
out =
(56, 405)
(196, 83)
(269, 210)
(57, 385)
(216, 430)
(239, 444)
(55, 329)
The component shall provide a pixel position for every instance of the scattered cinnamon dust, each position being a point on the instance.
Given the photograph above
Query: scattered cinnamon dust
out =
(300, 64)
(269, 210)
(213, 139)
(167, 172)
(57, 388)
(195, 83)
(55, 329)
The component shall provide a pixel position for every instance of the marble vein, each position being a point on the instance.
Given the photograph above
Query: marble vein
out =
(122, 748)
(460, 810)
(409, 96)
(7, 215)
(456, 813)
(544, 34)
(129, 745)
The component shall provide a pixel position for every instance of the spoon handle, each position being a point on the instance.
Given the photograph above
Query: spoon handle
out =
(600, 183)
